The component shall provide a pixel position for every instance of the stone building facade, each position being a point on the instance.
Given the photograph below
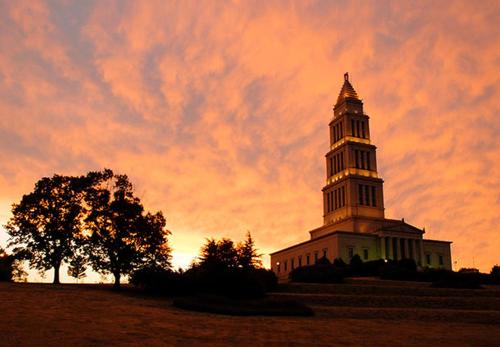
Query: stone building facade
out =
(353, 204)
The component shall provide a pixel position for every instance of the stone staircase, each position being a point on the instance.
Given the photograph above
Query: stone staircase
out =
(380, 299)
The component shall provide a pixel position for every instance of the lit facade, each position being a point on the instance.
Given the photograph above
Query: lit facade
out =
(353, 204)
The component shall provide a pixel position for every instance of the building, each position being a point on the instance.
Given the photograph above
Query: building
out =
(353, 204)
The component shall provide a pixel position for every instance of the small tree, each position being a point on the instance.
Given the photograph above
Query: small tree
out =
(18, 272)
(247, 253)
(77, 267)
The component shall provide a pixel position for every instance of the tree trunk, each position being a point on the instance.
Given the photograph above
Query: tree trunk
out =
(116, 285)
(56, 274)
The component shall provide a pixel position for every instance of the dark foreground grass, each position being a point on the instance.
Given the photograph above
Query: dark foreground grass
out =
(235, 307)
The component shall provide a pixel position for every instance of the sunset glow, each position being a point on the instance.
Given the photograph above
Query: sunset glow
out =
(219, 111)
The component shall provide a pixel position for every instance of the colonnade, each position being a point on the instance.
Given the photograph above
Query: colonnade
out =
(397, 248)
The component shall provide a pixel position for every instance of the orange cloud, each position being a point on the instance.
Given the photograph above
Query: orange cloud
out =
(219, 112)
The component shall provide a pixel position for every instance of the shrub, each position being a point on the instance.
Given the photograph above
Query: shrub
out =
(231, 282)
(5, 266)
(356, 263)
(160, 281)
(494, 276)
(404, 269)
(317, 274)
(371, 268)
(323, 261)
(338, 262)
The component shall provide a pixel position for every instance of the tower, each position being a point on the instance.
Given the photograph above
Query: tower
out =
(353, 188)
(353, 204)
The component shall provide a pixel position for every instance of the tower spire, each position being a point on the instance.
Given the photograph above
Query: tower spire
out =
(347, 91)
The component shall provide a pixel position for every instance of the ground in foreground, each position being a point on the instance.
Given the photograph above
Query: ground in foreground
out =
(39, 314)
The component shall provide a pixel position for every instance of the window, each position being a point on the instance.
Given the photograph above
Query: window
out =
(343, 196)
(336, 206)
(278, 266)
(360, 194)
(300, 260)
(335, 164)
(352, 127)
(365, 253)
(331, 166)
(327, 202)
(308, 259)
(292, 263)
(350, 252)
(342, 161)
(341, 131)
(357, 128)
(324, 252)
(356, 156)
(374, 198)
(315, 257)
(441, 261)
(285, 264)
(368, 161)
(363, 129)
(367, 195)
(428, 259)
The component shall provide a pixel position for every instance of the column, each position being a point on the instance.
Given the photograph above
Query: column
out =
(397, 249)
(407, 248)
(382, 248)
(390, 253)
(412, 249)
(421, 250)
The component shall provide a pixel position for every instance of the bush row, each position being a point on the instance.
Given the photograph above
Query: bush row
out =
(404, 270)
(233, 282)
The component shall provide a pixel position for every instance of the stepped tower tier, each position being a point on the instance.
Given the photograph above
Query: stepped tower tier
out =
(353, 188)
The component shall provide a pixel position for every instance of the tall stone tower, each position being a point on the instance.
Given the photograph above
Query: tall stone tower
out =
(353, 188)
(353, 204)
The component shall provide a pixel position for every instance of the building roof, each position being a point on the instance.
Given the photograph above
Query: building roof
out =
(347, 91)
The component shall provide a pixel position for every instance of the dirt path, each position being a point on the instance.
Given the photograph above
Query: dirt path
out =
(70, 315)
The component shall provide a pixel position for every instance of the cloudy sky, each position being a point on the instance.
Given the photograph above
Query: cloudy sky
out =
(218, 110)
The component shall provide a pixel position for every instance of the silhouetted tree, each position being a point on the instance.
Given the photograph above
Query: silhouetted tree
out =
(220, 253)
(495, 271)
(44, 224)
(153, 242)
(122, 239)
(77, 267)
(247, 253)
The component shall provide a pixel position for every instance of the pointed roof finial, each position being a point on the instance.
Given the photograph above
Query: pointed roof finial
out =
(347, 91)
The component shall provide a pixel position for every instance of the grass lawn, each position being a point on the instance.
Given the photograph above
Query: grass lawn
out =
(92, 315)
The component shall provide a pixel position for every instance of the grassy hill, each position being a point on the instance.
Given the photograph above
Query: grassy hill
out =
(360, 312)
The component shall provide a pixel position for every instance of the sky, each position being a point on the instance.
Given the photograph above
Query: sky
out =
(218, 110)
